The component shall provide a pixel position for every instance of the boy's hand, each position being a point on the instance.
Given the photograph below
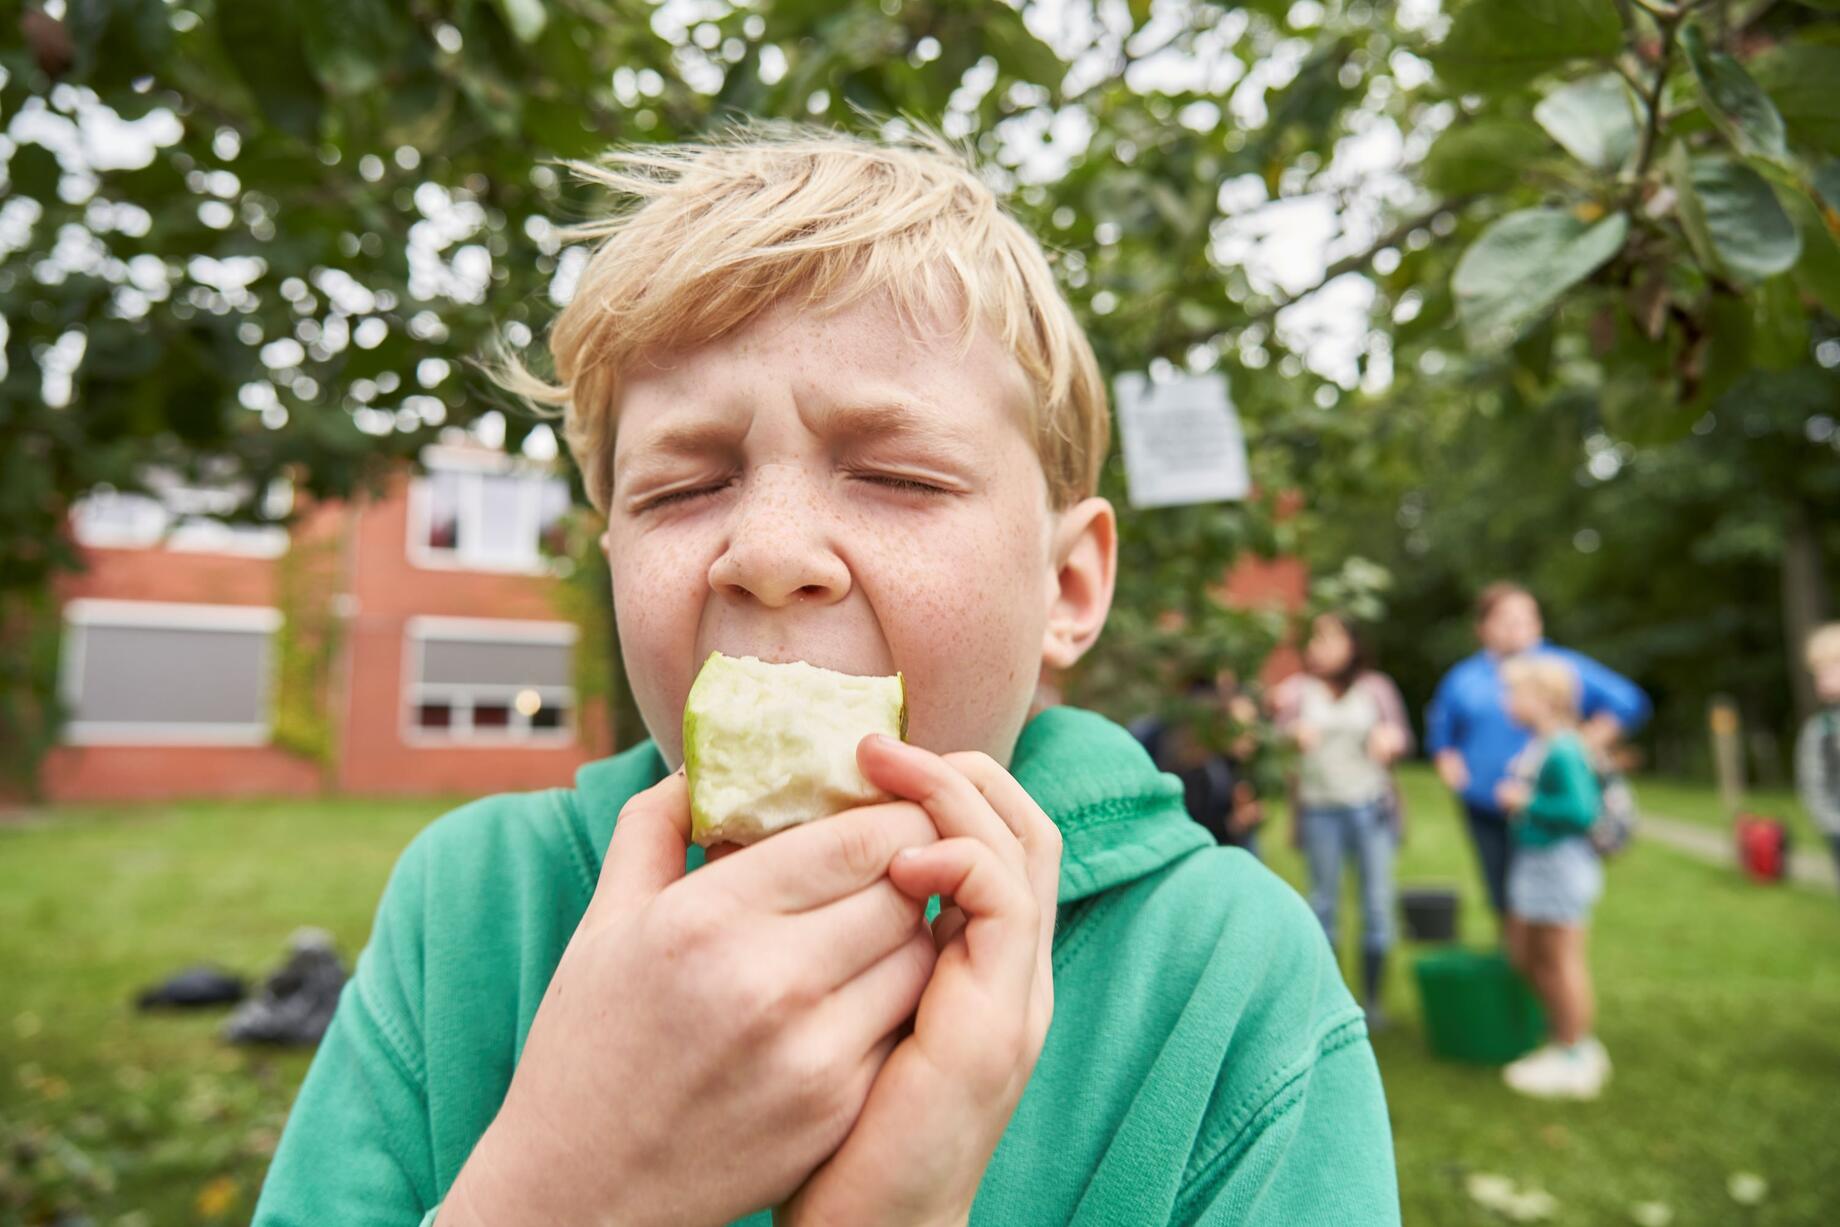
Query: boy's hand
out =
(1512, 796)
(706, 1041)
(941, 1103)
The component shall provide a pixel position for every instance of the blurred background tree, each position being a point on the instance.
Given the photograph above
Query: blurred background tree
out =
(1543, 288)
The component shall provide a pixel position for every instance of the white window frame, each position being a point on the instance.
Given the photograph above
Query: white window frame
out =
(417, 631)
(471, 467)
(85, 612)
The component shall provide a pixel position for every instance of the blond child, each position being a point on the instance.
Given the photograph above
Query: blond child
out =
(1554, 879)
(836, 410)
(1817, 749)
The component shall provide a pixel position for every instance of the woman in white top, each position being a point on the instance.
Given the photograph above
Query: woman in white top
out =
(1350, 726)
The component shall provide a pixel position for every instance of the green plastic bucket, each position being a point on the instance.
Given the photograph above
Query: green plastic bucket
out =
(1476, 1009)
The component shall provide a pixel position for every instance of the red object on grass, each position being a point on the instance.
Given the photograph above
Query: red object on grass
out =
(1763, 848)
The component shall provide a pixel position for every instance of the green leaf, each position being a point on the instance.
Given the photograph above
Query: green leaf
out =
(1732, 217)
(1521, 266)
(1497, 45)
(1779, 336)
(352, 44)
(1818, 271)
(1019, 53)
(1826, 180)
(1592, 120)
(525, 17)
(1804, 80)
(266, 47)
(1735, 103)
(1487, 156)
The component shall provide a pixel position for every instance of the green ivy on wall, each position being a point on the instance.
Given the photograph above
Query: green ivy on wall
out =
(307, 647)
(30, 712)
(585, 597)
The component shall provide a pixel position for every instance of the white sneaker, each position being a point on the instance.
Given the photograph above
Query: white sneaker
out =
(1533, 1071)
(1597, 1065)
(1556, 1072)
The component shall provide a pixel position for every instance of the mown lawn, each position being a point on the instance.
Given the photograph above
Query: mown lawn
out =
(1701, 806)
(1720, 1006)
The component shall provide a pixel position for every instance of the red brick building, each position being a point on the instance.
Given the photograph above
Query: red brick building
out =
(437, 656)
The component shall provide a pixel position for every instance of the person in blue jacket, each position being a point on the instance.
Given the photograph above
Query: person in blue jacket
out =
(1471, 738)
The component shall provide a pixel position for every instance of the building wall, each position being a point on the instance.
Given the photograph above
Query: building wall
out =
(140, 773)
(1270, 583)
(388, 590)
(376, 590)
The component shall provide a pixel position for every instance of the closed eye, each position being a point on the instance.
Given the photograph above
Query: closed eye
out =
(687, 494)
(893, 481)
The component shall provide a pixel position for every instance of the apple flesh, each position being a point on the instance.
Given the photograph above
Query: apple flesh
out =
(770, 746)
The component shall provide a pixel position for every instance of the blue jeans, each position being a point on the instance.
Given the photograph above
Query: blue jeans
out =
(1488, 831)
(1333, 835)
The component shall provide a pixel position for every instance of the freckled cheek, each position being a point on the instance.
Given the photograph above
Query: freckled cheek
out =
(961, 608)
(658, 595)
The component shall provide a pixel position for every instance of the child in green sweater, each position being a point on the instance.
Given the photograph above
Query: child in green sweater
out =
(836, 410)
(1555, 877)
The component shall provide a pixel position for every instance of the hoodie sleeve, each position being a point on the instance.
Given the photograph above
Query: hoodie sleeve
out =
(1321, 1151)
(357, 1149)
(1296, 1131)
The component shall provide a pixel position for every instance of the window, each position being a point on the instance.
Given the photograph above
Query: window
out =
(474, 512)
(183, 517)
(490, 679)
(151, 672)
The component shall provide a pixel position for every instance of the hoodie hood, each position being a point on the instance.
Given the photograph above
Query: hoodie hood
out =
(1120, 818)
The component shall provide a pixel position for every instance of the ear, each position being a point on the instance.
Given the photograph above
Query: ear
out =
(605, 545)
(1084, 555)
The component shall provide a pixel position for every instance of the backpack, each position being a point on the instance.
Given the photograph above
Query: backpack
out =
(1617, 813)
(1763, 848)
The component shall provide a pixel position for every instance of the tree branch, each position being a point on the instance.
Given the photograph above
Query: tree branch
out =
(1651, 129)
(1347, 264)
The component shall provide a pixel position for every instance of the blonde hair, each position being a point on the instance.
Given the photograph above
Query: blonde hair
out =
(1554, 681)
(1823, 645)
(715, 233)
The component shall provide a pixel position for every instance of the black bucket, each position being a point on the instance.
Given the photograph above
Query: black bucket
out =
(1430, 913)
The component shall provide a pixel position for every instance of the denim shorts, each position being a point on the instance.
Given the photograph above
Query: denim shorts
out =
(1556, 884)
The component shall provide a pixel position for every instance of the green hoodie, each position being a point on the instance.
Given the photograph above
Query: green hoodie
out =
(1205, 1063)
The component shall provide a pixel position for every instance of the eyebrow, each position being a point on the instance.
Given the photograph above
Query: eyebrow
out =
(685, 439)
(904, 420)
(849, 422)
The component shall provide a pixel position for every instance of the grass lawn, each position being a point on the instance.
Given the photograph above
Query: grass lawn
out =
(1720, 1006)
(1699, 804)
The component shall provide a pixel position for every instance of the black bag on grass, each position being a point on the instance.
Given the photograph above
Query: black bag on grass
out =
(296, 1003)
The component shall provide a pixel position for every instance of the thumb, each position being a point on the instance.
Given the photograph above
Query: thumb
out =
(646, 853)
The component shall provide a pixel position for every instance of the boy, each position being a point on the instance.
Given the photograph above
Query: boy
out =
(856, 425)
(1817, 749)
(1554, 877)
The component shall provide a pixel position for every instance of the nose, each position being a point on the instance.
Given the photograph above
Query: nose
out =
(777, 552)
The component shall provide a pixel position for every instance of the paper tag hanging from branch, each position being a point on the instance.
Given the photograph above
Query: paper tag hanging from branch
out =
(1182, 440)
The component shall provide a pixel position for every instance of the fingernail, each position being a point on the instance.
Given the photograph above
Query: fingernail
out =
(882, 741)
(907, 854)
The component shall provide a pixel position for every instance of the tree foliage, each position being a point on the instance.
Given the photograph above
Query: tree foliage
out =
(1586, 228)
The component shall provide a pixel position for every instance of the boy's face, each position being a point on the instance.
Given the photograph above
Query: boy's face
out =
(1525, 707)
(826, 487)
(1827, 680)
